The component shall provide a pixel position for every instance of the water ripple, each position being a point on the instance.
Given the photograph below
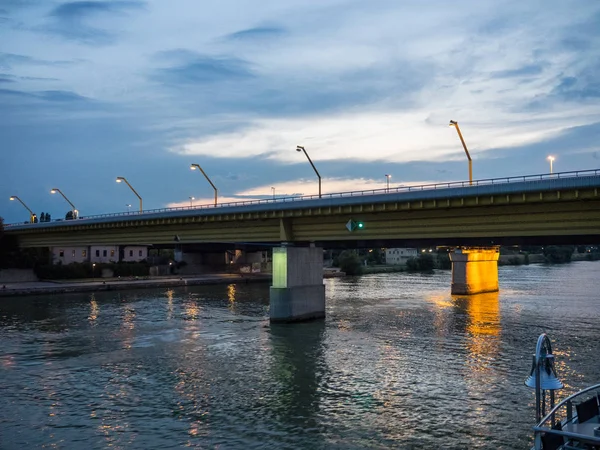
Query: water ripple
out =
(398, 363)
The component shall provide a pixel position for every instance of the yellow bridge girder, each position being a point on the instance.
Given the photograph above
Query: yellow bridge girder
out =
(564, 212)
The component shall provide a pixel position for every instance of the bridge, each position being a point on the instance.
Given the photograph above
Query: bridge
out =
(551, 208)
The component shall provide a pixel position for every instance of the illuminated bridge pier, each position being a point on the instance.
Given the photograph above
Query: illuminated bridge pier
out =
(298, 292)
(474, 270)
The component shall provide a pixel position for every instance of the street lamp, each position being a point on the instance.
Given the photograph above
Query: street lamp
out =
(551, 159)
(119, 179)
(55, 190)
(454, 124)
(31, 214)
(191, 201)
(302, 149)
(387, 178)
(543, 376)
(273, 190)
(197, 166)
(128, 207)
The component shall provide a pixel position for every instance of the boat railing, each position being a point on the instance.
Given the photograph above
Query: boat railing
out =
(563, 412)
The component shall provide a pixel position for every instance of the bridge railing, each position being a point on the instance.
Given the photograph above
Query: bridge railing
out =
(397, 189)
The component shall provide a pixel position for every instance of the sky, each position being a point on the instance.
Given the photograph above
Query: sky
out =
(92, 90)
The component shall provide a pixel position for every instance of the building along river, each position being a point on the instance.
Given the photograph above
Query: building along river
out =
(397, 363)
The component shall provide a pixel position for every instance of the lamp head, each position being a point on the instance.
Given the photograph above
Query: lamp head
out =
(388, 176)
(452, 123)
(299, 148)
(53, 190)
(119, 179)
(548, 378)
(192, 198)
(551, 158)
(12, 197)
(193, 166)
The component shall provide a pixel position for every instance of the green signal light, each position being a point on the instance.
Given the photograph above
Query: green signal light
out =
(360, 225)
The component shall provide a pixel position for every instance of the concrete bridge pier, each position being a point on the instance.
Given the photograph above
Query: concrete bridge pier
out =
(298, 292)
(474, 270)
(199, 262)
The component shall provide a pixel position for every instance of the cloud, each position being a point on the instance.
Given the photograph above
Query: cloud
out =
(202, 69)
(8, 93)
(300, 188)
(398, 137)
(10, 60)
(257, 34)
(72, 20)
(227, 85)
(62, 96)
(85, 9)
(526, 71)
(50, 96)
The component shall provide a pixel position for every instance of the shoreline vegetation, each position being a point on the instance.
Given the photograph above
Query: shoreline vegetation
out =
(353, 262)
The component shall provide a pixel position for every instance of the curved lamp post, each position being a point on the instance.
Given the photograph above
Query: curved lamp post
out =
(192, 201)
(454, 124)
(31, 214)
(273, 191)
(299, 148)
(119, 179)
(197, 166)
(387, 178)
(551, 159)
(55, 190)
(543, 377)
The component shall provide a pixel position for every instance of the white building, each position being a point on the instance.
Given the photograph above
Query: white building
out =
(104, 253)
(134, 253)
(98, 254)
(399, 256)
(68, 255)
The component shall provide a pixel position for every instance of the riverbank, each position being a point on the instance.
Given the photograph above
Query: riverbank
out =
(114, 284)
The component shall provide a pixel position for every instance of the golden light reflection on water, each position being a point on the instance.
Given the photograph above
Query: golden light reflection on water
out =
(441, 301)
(483, 330)
(192, 310)
(128, 326)
(387, 367)
(344, 325)
(169, 303)
(8, 361)
(117, 400)
(193, 391)
(231, 297)
(484, 314)
(443, 306)
(129, 317)
(483, 325)
(94, 310)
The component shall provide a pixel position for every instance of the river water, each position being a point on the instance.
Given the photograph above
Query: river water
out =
(398, 363)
